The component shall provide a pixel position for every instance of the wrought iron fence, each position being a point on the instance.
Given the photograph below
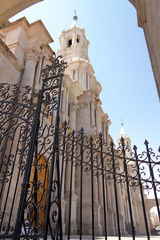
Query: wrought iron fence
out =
(55, 181)
(28, 147)
(89, 166)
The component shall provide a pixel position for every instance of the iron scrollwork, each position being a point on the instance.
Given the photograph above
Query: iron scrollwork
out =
(28, 129)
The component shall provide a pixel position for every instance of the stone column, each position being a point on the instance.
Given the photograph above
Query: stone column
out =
(110, 211)
(32, 57)
(121, 209)
(73, 109)
(38, 72)
(100, 198)
(74, 199)
(29, 71)
(97, 208)
(77, 75)
(67, 101)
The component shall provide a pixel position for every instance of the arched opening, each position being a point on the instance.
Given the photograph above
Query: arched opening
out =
(78, 38)
(69, 42)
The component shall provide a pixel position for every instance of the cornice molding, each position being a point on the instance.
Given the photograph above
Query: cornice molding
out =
(6, 52)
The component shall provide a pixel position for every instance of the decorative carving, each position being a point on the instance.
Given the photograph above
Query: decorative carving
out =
(74, 106)
(6, 52)
(83, 105)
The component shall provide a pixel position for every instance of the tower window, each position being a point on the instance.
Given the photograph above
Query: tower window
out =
(70, 43)
(74, 75)
(78, 39)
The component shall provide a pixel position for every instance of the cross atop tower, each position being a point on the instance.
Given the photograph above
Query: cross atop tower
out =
(75, 17)
(73, 42)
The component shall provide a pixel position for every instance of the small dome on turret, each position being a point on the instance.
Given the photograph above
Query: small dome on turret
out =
(75, 18)
(123, 135)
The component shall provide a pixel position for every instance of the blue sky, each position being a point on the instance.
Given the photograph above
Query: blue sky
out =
(119, 56)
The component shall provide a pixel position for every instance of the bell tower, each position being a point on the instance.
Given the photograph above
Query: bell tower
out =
(84, 107)
(73, 42)
(123, 135)
(74, 49)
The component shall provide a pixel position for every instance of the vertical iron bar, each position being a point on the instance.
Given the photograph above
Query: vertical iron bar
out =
(141, 192)
(25, 184)
(52, 167)
(35, 179)
(103, 186)
(70, 190)
(16, 184)
(152, 176)
(127, 185)
(7, 165)
(81, 180)
(11, 209)
(115, 190)
(63, 150)
(10, 181)
(60, 234)
(92, 185)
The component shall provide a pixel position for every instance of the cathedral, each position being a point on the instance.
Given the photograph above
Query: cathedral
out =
(25, 52)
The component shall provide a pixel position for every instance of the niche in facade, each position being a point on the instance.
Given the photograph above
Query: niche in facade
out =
(69, 42)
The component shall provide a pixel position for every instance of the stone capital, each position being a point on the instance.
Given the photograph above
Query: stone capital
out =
(32, 56)
(33, 51)
(73, 106)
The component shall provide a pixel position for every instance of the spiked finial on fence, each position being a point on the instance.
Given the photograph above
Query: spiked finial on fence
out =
(135, 148)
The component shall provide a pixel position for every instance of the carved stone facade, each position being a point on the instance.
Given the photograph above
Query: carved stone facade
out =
(25, 51)
(81, 105)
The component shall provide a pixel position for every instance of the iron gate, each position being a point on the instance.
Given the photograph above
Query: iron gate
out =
(56, 181)
(29, 123)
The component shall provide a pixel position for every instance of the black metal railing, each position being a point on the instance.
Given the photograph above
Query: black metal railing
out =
(29, 121)
(56, 182)
(91, 166)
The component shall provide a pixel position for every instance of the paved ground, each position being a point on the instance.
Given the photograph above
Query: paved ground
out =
(103, 238)
(113, 238)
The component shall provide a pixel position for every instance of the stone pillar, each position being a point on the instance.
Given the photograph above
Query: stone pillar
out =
(97, 208)
(29, 70)
(31, 60)
(73, 109)
(110, 211)
(74, 199)
(100, 197)
(38, 72)
(67, 101)
(121, 209)
(76, 76)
